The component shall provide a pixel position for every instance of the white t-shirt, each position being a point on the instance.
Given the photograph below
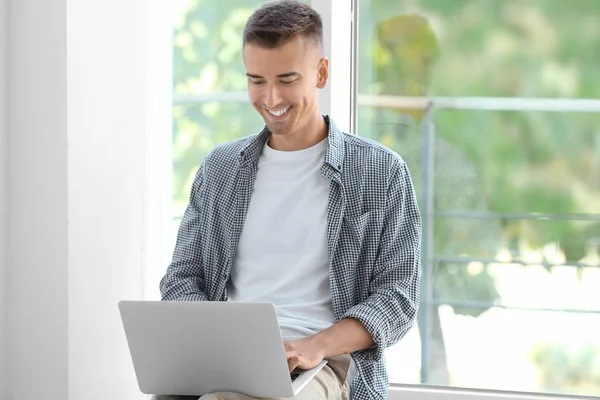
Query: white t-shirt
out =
(282, 254)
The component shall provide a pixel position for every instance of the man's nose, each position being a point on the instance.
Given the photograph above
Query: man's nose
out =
(272, 96)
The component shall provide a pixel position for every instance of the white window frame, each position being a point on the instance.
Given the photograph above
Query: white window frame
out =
(335, 98)
(159, 152)
(339, 99)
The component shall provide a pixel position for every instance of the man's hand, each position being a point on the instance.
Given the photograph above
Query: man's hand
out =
(345, 337)
(303, 354)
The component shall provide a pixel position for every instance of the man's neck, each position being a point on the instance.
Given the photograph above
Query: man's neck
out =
(311, 134)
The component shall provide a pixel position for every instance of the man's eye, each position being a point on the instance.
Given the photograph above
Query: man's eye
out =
(256, 82)
(287, 82)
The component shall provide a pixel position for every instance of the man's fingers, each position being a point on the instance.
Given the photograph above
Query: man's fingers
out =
(289, 354)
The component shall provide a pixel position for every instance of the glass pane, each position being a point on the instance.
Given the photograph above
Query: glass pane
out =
(198, 127)
(483, 158)
(507, 349)
(510, 199)
(209, 84)
(506, 48)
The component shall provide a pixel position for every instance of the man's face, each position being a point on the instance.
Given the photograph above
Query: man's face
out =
(283, 83)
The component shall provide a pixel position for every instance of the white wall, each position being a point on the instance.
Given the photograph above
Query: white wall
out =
(37, 201)
(3, 175)
(106, 60)
(77, 176)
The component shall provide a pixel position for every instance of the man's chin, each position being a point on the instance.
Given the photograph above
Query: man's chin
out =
(276, 130)
(275, 127)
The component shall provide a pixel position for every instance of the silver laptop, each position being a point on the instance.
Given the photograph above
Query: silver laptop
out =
(194, 348)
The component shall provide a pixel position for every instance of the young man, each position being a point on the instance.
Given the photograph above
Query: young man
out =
(321, 223)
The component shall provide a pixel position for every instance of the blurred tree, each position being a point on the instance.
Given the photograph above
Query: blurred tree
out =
(508, 48)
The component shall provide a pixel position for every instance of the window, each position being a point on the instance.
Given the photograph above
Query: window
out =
(209, 81)
(487, 101)
(491, 104)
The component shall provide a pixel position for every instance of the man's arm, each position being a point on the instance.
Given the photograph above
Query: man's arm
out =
(347, 336)
(394, 289)
(184, 279)
(384, 318)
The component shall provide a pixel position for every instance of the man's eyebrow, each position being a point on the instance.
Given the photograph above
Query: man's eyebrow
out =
(286, 75)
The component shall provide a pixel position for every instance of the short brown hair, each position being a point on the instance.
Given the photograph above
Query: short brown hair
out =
(277, 22)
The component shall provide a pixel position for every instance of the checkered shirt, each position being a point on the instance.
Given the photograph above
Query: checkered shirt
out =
(373, 238)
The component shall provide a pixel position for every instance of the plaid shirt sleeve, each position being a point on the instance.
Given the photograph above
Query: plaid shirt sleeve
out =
(184, 279)
(391, 309)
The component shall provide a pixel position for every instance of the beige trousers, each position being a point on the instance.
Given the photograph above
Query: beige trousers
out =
(331, 383)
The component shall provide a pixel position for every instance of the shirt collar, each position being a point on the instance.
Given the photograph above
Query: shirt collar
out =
(334, 155)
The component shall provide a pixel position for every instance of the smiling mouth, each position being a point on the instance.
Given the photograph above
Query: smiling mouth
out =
(278, 113)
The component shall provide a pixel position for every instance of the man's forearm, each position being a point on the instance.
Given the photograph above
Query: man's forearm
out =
(347, 336)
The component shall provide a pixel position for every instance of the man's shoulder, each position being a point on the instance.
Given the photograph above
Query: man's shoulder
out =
(371, 152)
(226, 154)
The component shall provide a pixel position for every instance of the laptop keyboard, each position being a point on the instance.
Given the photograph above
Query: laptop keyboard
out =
(294, 375)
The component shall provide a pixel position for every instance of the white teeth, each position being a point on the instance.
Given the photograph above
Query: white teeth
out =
(279, 113)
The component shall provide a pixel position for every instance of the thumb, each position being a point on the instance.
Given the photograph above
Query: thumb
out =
(293, 363)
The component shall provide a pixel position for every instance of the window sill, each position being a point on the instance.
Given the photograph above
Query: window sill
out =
(414, 392)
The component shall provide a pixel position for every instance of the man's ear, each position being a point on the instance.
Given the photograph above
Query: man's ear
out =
(323, 72)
